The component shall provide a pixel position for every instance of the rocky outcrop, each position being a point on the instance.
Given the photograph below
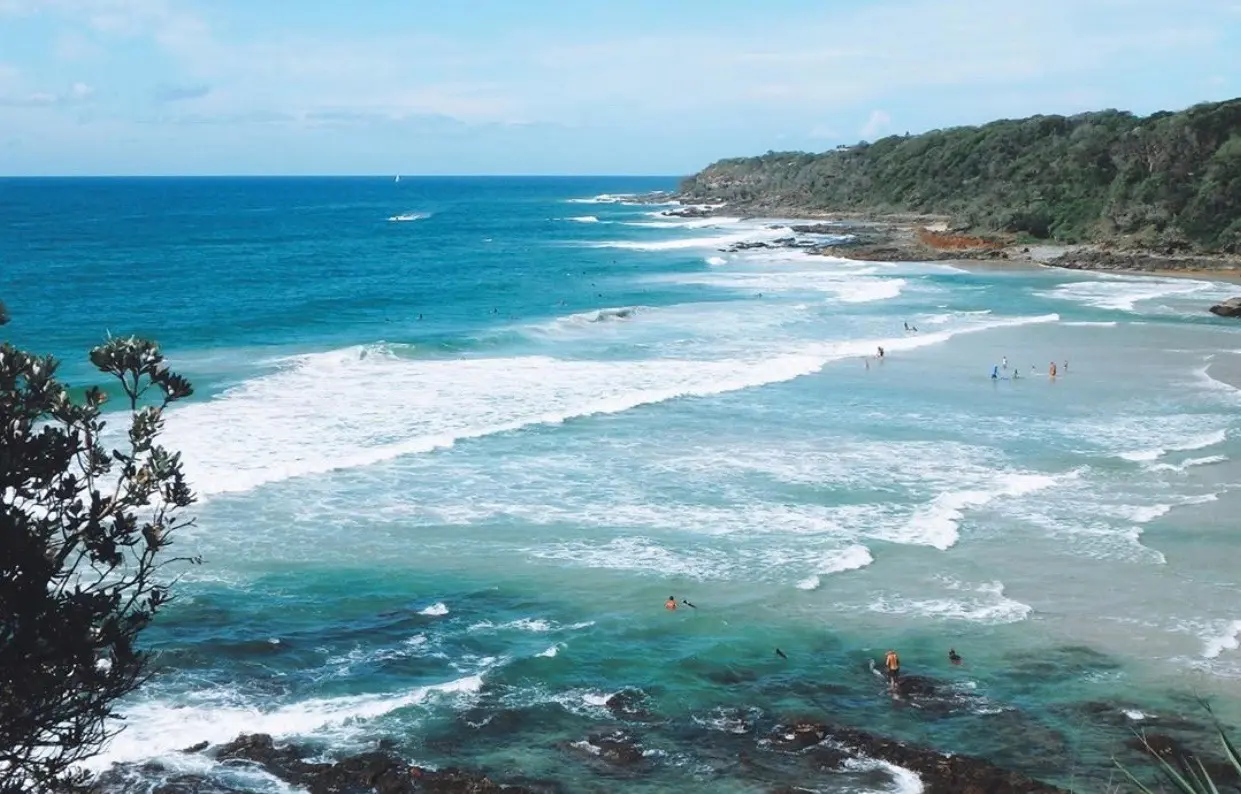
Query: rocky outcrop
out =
(940, 774)
(1229, 308)
(816, 228)
(377, 772)
(618, 748)
(1143, 261)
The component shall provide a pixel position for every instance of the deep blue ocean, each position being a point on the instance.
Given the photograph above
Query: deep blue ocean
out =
(457, 440)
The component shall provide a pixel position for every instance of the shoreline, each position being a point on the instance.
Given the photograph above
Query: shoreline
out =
(915, 237)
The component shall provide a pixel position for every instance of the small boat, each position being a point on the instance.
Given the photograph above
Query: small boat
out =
(398, 178)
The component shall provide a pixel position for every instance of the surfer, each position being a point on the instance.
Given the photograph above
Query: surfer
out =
(953, 656)
(892, 664)
(671, 604)
(881, 352)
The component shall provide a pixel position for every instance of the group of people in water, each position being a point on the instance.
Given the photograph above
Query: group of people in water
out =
(1052, 371)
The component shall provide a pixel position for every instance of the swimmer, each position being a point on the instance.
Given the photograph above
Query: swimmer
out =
(953, 656)
(892, 664)
(1066, 365)
(671, 604)
(906, 326)
(780, 653)
(1016, 373)
(867, 360)
(880, 351)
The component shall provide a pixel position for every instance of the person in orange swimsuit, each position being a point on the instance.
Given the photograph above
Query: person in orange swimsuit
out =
(892, 664)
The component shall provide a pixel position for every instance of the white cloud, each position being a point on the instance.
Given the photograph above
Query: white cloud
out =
(878, 123)
(780, 67)
(77, 94)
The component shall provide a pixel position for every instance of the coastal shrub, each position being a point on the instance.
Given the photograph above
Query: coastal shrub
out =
(1092, 176)
(83, 534)
(1188, 775)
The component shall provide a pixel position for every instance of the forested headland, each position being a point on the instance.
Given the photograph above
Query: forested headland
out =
(1169, 181)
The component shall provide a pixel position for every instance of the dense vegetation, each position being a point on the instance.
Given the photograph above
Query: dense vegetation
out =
(1171, 180)
(83, 533)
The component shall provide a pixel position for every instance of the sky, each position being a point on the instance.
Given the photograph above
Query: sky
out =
(165, 87)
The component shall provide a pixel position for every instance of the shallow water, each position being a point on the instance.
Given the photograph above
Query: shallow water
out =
(458, 531)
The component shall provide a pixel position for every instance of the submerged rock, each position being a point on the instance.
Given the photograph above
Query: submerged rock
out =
(377, 771)
(618, 747)
(1229, 308)
(629, 704)
(940, 773)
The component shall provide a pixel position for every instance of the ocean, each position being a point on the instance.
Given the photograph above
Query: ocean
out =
(457, 440)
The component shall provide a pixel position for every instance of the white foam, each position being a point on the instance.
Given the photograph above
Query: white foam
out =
(359, 406)
(1145, 514)
(988, 605)
(1227, 640)
(715, 260)
(904, 781)
(628, 199)
(1134, 714)
(407, 217)
(937, 524)
(1088, 324)
(154, 728)
(1200, 441)
(435, 610)
(847, 559)
(584, 219)
(809, 583)
(714, 222)
(1123, 293)
(717, 241)
(536, 625)
(550, 653)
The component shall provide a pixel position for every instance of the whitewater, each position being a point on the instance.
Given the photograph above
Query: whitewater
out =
(455, 442)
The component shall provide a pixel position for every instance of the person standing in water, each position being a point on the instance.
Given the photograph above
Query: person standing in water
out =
(892, 666)
(995, 373)
(881, 352)
(1052, 371)
(671, 604)
(1004, 362)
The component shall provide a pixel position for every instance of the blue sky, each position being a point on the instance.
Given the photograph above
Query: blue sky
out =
(551, 87)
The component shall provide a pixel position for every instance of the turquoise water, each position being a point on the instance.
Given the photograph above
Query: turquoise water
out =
(456, 441)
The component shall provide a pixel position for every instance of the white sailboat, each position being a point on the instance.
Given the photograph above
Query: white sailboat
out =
(398, 178)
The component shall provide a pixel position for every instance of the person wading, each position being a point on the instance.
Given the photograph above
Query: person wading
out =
(892, 663)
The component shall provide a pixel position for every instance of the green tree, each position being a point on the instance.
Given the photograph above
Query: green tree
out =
(83, 530)
(1171, 178)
